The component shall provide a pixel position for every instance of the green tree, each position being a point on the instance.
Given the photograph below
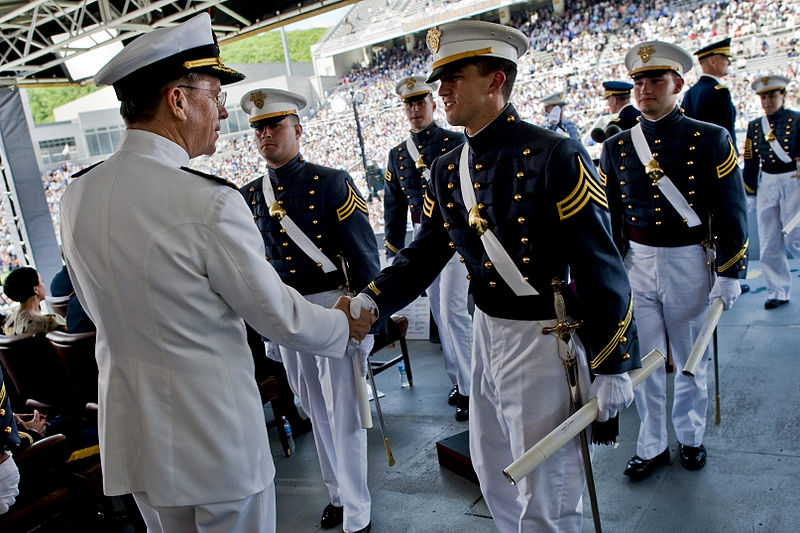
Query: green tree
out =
(267, 47)
(44, 99)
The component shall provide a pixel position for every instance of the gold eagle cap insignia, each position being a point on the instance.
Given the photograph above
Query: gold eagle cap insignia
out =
(646, 52)
(432, 39)
(258, 98)
(765, 80)
(410, 83)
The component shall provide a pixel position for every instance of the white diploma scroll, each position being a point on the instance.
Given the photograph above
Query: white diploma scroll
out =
(793, 222)
(703, 338)
(361, 393)
(572, 426)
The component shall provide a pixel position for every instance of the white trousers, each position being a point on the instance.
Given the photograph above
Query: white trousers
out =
(327, 391)
(254, 513)
(777, 202)
(670, 297)
(448, 298)
(519, 394)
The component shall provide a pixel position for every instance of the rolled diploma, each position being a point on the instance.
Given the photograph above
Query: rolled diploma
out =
(794, 221)
(576, 423)
(361, 392)
(703, 338)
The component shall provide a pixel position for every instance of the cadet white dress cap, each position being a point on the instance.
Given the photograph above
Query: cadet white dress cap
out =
(412, 86)
(657, 55)
(262, 104)
(165, 54)
(466, 39)
(766, 84)
(555, 99)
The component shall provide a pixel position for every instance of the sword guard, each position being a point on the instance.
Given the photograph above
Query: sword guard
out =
(654, 171)
(480, 225)
(562, 330)
(420, 164)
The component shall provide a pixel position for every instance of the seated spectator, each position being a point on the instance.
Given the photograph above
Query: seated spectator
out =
(77, 319)
(25, 285)
(9, 441)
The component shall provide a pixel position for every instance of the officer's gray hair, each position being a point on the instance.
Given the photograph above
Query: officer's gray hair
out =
(143, 106)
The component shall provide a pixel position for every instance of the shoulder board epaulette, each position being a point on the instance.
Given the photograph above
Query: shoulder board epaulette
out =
(719, 87)
(212, 177)
(81, 172)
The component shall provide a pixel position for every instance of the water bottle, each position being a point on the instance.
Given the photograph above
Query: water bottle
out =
(401, 367)
(287, 429)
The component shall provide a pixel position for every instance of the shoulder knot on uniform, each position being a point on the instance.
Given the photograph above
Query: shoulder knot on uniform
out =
(221, 181)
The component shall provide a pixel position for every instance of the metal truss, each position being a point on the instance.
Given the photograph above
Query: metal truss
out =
(30, 55)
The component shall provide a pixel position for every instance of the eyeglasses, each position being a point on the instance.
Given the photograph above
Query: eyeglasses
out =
(219, 98)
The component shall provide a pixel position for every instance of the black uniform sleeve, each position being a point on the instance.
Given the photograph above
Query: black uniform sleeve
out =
(354, 232)
(417, 265)
(395, 210)
(752, 165)
(729, 211)
(601, 283)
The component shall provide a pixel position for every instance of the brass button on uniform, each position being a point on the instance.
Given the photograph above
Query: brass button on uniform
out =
(451, 166)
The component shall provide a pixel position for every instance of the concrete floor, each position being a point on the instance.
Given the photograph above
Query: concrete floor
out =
(751, 481)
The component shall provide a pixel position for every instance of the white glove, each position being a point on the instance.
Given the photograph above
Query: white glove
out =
(360, 352)
(555, 115)
(727, 290)
(9, 483)
(362, 301)
(614, 392)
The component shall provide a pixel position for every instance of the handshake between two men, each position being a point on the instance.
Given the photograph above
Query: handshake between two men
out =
(359, 323)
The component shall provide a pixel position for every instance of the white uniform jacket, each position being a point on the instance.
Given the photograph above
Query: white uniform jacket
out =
(167, 263)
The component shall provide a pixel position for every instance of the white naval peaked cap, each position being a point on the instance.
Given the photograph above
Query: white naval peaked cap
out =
(766, 84)
(412, 86)
(555, 98)
(261, 104)
(166, 54)
(657, 55)
(465, 39)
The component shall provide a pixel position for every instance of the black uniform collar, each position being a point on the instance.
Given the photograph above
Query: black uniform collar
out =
(492, 136)
(421, 135)
(779, 114)
(664, 124)
(288, 170)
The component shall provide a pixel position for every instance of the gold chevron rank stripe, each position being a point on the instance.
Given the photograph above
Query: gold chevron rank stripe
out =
(586, 189)
(427, 205)
(730, 163)
(616, 340)
(387, 175)
(374, 288)
(732, 261)
(353, 202)
(603, 176)
(748, 149)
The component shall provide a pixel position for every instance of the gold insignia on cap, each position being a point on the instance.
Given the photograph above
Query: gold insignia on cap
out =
(646, 52)
(410, 83)
(765, 80)
(433, 39)
(258, 98)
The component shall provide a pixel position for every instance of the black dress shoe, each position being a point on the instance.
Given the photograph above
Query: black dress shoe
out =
(462, 408)
(639, 468)
(692, 458)
(332, 516)
(366, 529)
(772, 303)
(745, 287)
(452, 398)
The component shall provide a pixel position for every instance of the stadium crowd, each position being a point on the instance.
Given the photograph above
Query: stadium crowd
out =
(574, 51)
